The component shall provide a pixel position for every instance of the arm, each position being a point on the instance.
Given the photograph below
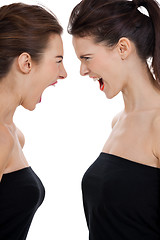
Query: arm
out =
(6, 146)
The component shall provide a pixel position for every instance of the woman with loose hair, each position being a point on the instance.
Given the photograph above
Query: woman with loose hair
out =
(31, 53)
(114, 40)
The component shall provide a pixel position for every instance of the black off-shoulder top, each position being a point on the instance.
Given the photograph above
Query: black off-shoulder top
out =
(21, 193)
(121, 199)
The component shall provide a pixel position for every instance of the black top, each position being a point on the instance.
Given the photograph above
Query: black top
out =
(121, 199)
(21, 193)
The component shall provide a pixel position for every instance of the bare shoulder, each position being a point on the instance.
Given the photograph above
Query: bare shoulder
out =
(20, 137)
(6, 147)
(115, 119)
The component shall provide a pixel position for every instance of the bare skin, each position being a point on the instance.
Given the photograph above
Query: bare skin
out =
(24, 85)
(16, 159)
(132, 137)
(135, 130)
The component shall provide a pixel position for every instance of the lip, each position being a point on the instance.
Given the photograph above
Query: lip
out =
(53, 83)
(101, 84)
(40, 99)
(93, 77)
(100, 80)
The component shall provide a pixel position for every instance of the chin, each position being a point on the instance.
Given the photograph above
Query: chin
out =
(110, 96)
(29, 107)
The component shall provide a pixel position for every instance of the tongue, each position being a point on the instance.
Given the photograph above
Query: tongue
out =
(101, 84)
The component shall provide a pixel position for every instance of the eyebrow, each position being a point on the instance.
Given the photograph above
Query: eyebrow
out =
(83, 56)
(59, 57)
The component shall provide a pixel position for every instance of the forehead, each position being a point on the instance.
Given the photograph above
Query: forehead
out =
(84, 45)
(55, 45)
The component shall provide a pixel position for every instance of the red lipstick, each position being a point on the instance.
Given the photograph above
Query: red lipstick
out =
(101, 84)
(53, 83)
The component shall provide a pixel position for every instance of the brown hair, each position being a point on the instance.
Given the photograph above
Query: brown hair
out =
(109, 20)
(24, 28)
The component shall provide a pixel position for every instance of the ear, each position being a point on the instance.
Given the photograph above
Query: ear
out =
(25, 63)
(124, 47)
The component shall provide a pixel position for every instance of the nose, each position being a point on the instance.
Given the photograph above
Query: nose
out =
(63, 73)
(84, 70)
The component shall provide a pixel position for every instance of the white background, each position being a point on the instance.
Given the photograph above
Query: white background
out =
(64, 135)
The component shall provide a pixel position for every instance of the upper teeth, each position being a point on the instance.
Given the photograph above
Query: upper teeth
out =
(96, 79)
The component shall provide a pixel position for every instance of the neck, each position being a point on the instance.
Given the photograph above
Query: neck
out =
(140, 93)
(9, 101)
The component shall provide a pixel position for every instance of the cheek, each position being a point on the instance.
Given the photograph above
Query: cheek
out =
(112, 70)
(50, 70)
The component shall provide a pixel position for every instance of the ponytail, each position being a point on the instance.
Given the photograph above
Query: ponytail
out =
(153, 9)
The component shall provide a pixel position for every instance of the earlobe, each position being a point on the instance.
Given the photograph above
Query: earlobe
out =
(124, 47)
(25, 63)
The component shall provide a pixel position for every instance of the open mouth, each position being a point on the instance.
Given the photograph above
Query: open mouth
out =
(101, 84)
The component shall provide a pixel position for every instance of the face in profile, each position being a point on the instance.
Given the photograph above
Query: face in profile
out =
(100, 63)
(45, 73)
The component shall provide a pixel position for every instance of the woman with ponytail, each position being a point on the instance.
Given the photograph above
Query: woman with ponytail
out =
(121, 190)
